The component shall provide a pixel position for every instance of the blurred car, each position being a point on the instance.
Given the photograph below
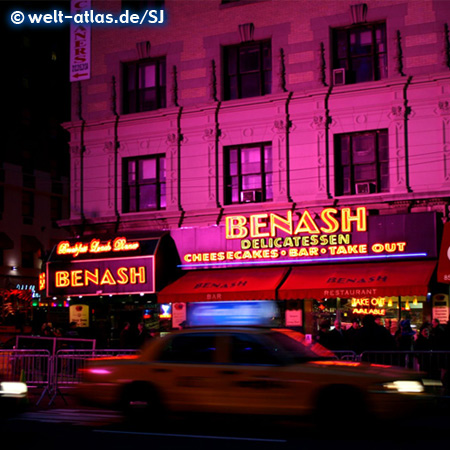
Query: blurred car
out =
(13, 397)
(248, 371)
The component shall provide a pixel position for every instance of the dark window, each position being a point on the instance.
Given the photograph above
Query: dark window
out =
(247, 70)
(2, 201)
(248, 173)
(246, 350)
(190, 348)
(56, 208)
(362, 163)
(28, 259)
(29, 180)
(27, 206)
(144, 85)
(144, 184)
(362, 52)
(141, 5)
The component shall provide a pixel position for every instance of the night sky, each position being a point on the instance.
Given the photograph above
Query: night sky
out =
(35, 90)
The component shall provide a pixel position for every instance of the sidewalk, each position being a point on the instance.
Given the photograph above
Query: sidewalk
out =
(41, 399)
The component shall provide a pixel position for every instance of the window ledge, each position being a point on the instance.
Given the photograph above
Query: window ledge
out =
(239, 3)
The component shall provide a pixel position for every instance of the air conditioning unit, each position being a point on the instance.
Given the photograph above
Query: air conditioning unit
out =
(366, 188)
(338, 77)
(250, 196)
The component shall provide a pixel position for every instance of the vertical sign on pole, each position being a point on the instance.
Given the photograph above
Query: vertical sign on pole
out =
(80, 43)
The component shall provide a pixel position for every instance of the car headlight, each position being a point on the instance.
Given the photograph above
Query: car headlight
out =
(404, 386)
(13, 389)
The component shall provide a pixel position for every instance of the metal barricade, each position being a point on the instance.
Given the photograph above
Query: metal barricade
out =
(434, 363)
(345, 355)
(30, 366)
(67, 364)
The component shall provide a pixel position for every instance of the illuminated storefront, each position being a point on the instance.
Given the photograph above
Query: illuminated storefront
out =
(333, 263)
(116, 277)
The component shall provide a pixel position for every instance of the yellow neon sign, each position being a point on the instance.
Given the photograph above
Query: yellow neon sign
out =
(95, 246)
(85, 277)
(266, 225)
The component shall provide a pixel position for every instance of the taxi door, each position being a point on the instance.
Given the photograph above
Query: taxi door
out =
(254, 380)
(186, 374)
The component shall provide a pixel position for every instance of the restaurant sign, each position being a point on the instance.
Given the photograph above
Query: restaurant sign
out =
(299, 238)
(101, 266)
(102, 276)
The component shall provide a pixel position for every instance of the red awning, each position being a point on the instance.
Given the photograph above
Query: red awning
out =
(231, 284)
(358, 280)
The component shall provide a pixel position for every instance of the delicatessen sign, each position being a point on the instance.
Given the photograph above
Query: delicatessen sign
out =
(308, 237)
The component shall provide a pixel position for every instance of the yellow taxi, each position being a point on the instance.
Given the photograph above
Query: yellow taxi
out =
(244, 370)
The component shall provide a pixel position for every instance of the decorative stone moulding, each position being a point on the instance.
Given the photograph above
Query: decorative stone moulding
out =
(143, 49)
(358, 13)
(247, 31)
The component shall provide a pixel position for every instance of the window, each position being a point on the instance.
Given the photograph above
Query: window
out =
(141, 5)
(247, 70)
(144, 85)
(27, 260)
(144, 184)
(56, 209)
(248, 173)
(190, 348)
(362, 52)
(245, 350)
(362, 163)
(27, 207)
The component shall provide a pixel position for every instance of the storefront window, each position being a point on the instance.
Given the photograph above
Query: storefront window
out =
(388, 311)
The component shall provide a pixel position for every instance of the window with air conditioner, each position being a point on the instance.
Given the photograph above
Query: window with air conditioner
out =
(361, 52)
(248, 173)
(362, 163)
(338, 77)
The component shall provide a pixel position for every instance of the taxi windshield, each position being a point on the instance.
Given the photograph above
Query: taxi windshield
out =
(297, 348)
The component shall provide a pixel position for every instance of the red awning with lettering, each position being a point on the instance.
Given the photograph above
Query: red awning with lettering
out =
(231, 284)
(358, 280)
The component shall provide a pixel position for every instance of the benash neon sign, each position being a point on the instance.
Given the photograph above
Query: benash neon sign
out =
(273, 238)
(104, 276)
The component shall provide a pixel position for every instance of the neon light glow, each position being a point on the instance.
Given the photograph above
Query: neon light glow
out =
(101, 276)
(84, 277)
(243, 261)
(42, 281)
(119, 244)
(166, 311)
(266, 224)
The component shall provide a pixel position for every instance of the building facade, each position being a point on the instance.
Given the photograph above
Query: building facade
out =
(307, 134)
(34, 169)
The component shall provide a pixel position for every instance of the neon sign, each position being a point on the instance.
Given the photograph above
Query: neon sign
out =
(84, 277)
(374, 306)
(166, 311)
(266, 225)
(119, 244)
(325, 236)
(272, 238)
(102, 276)
(42, 281)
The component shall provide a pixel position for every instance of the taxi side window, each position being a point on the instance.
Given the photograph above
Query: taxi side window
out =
(249, 351)
(190, 348)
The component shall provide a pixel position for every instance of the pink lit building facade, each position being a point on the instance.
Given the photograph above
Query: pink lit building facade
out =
(260, 111)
